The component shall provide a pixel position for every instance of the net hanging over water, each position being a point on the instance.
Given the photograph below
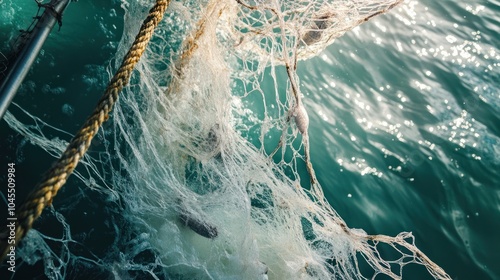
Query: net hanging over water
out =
(209, 151)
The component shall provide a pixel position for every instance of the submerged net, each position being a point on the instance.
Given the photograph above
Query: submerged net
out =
(208, 151)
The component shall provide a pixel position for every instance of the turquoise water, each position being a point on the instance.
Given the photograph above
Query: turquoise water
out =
(404, 124)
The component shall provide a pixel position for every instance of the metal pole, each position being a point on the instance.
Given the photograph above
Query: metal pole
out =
(26, 57)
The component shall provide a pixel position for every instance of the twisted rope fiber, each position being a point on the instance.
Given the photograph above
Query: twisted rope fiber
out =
(57, 175)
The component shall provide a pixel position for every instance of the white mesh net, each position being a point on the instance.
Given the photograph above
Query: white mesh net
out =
(213, 167)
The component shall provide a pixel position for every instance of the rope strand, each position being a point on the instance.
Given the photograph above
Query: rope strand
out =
(54, 179)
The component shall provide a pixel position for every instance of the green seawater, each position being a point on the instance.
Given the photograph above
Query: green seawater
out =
(404, 125)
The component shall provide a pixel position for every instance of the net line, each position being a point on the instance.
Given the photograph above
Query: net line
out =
(197, 156)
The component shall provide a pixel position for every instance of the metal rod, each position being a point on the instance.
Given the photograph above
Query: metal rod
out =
(28, 54)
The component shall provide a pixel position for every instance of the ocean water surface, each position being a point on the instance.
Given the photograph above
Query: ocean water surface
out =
(404, 124)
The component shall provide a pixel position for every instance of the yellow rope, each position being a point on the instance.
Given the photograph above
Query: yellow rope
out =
(57, 175)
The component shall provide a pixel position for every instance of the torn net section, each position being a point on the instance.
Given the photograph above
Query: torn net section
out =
(210, 156)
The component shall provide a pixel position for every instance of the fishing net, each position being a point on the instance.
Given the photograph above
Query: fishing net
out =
(207, 152)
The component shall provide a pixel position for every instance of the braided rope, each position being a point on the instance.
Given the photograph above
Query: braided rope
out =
(54, 179)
